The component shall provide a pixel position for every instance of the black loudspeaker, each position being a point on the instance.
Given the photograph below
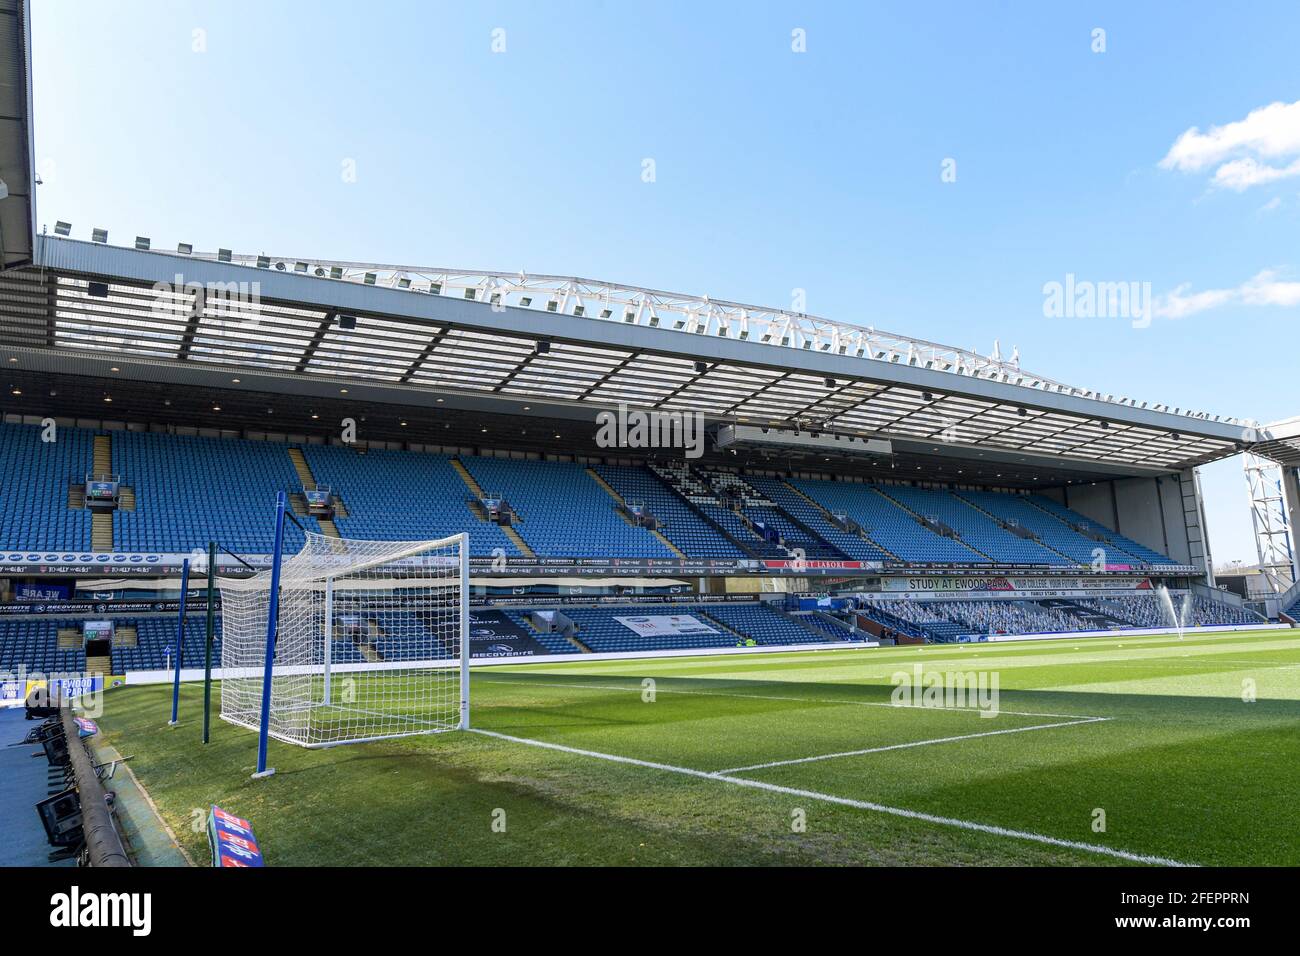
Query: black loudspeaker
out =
(56, 749)
(61, 817)
(97, 289)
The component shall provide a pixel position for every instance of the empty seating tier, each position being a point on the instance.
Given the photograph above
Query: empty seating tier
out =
(402, 496)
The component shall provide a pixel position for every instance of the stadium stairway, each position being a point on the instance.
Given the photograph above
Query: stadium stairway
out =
(696, 495)
(302, 468)
(1037, 539)
(621, 505)
(101, 522)
(796, 503)
(476, 490)
(327, 525)
(553, 641)
(895, 500)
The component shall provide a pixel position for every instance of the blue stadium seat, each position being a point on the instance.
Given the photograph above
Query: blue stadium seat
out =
(563, 512)
(191, 490)
(401, 496)
(36, 475)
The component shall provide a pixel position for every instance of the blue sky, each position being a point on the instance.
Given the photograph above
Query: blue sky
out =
(232, 124)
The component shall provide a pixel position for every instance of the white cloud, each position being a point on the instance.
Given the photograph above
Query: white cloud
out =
(1262, 148)
(1241, 174)
(1264, 288)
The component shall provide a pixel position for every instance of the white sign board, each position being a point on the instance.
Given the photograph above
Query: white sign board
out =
(666, 625)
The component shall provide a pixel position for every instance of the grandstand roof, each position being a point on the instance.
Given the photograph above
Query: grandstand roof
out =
(17, 209)
(1280, 442)
(560, 349)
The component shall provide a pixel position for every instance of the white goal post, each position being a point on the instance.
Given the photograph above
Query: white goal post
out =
(372, 641)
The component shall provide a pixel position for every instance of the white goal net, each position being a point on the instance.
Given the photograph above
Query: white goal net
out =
(371, 641)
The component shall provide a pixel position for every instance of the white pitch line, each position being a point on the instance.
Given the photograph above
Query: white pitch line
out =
(845, 801)
(914, 743)
(810, 700)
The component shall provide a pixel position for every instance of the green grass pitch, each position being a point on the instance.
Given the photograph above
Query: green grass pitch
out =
(1190, 748)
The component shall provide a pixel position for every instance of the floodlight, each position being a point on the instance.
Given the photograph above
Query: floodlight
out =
(336, 272)
(142, 243)
(99, 235)
(263, 262)
(435, 288)
(224, 255)
(184, 248)
(370, 278)
(62, 228)
(470, 293)
(300, 267)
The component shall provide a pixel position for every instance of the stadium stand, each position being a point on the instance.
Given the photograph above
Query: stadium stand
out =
(681, 524)
(830, 626)
(886, 522)
(1126, 547)
(155, 635)
(192, 490)
(399, 495)
(700, 492)
(973, 528)
(1148, 610)
(34, 645)
(732, 624)
(36, 476)
(764, 624)
(562, 511)
(798, 506)
(553, 642)
(1050, 531)
(1009, 617)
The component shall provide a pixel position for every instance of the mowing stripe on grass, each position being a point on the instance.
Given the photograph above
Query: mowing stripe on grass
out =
(843, 801)
(914, 743)
(807, 700)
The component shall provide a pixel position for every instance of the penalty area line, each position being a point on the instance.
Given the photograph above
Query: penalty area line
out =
(842, 801)
(913, 743)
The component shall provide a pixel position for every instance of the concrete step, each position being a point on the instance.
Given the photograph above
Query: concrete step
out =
(302, 468)
(101, 531)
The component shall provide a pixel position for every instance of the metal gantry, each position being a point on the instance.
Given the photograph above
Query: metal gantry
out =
(1273, 538)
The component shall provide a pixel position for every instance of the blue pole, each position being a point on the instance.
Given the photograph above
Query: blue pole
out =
(272, 613)
(180, 640)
